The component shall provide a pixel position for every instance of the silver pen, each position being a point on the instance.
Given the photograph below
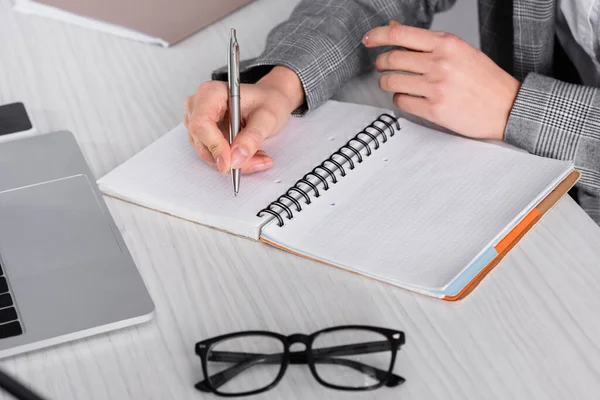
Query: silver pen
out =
(233, 66)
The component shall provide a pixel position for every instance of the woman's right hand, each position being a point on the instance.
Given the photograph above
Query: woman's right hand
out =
(266, 107)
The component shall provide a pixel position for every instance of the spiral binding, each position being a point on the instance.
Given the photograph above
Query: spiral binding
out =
(303, 186)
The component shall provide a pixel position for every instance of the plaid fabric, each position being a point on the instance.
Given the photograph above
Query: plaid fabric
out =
(555, 119)
(321, 42)
(551, 118)
(533, 36)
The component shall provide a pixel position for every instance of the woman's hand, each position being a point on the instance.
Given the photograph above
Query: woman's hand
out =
(451, 83)
(266, 107)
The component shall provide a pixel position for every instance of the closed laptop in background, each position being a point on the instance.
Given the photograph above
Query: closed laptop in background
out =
(162, 22)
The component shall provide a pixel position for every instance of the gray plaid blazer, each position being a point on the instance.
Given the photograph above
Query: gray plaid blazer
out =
(321, 42)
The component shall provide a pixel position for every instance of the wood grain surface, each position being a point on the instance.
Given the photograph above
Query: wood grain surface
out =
(529, 331)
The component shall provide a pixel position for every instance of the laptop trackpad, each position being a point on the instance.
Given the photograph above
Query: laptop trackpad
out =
(53, 225)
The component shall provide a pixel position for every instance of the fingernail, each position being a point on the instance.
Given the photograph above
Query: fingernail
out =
(239, 155)
(394, 22)
(261, 166)
(221, 165)
(365, 39)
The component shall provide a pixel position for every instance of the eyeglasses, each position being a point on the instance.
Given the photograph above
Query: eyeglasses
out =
(349, 357)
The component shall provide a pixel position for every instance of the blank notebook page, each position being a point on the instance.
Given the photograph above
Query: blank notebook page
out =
(420, 208)
(169, 177)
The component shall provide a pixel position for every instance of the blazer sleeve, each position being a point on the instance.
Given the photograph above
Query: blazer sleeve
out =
(551, 118)
(321, 42)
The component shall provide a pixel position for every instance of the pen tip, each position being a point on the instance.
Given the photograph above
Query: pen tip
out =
(235, 194)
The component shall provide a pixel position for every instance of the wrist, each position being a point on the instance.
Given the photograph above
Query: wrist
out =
(286, 82)
(509, 96)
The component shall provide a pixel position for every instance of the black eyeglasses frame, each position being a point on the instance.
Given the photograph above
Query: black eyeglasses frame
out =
(395, 338)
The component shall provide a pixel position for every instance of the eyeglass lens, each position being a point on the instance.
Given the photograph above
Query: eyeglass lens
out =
(244, 364)
(352, 358)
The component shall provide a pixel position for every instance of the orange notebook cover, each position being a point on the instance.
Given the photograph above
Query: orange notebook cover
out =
(519, 231)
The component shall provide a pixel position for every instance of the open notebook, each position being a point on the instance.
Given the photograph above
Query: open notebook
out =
(398, 202)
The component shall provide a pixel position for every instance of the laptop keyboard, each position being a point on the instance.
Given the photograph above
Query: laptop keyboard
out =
(9, 322)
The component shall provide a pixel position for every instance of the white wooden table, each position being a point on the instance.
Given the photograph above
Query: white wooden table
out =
(530, 330)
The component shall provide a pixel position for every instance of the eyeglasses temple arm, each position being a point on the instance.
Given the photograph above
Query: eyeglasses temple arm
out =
(219, 379)
(376, 373)
(353, 349)
(244, 362)
(247, 360)
(345, 350)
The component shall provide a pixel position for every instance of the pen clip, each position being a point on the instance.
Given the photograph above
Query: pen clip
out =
(233, 65)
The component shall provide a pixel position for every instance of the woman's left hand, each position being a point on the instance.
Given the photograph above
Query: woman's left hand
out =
(450, 83)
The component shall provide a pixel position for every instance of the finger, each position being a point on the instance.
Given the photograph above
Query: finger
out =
(202, 152)
(189, 105)
(208, 136)
(403, 60)
(259, 162)
(186, 121)
(403, 83)
(401, 35)
(260, 125)
(413, 105)
(210, 106)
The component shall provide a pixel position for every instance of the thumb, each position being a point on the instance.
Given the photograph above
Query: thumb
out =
(260, 125)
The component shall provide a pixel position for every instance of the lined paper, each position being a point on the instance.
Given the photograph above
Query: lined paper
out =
(169, 177)
(418, 212)
(421, 209)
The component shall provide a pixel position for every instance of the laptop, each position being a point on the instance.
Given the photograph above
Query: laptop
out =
(65, 272)
(162, 22)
